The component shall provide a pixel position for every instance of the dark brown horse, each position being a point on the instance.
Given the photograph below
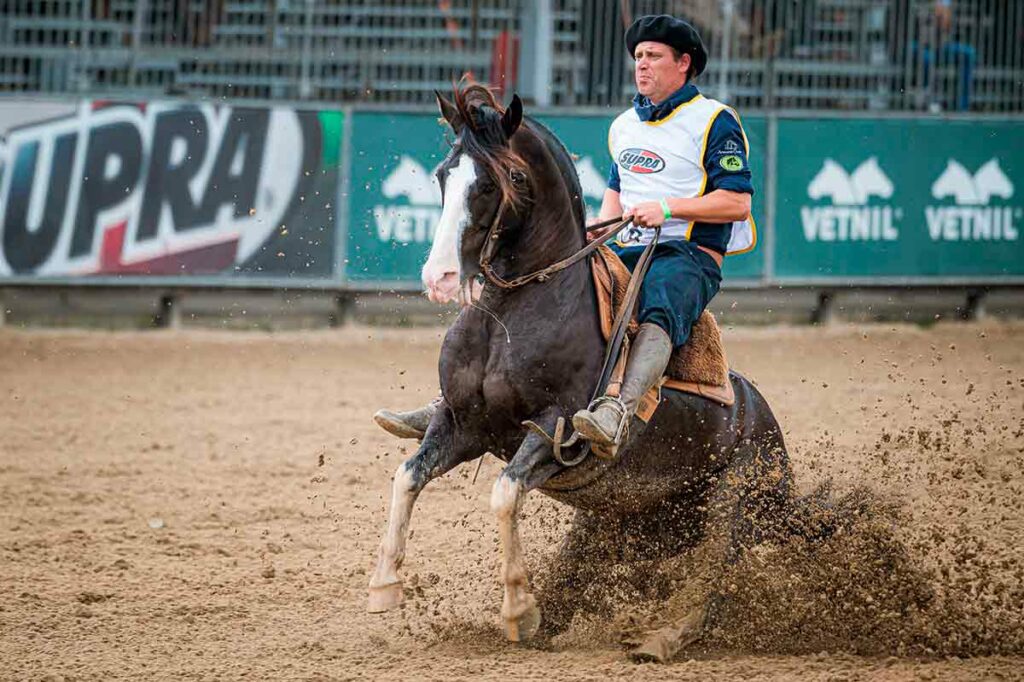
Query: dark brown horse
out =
(535, 352)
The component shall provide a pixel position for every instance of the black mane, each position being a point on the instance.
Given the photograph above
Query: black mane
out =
(484, 139)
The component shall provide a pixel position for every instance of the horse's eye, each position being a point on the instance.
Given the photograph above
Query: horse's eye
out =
(518, 177)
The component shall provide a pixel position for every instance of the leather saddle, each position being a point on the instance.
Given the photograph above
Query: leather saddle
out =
(698, 367)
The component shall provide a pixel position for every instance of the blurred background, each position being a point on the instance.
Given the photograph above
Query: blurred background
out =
(266, 162)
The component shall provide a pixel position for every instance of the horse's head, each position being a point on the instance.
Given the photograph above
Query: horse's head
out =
(480, 177)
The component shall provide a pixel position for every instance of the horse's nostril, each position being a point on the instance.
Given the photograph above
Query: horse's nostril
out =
(445, 277)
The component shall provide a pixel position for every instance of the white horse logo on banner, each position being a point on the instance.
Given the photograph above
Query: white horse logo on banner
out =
(413, 222)
(411, 180)
(972, 190)
(971, 218)
(850, 216)
(850, 189)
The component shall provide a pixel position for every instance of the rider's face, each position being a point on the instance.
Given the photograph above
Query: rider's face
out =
(658, 74)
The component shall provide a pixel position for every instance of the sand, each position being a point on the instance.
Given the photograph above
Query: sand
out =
(186, 505)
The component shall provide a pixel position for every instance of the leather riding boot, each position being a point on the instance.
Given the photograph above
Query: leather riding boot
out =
(605, 425)
(411, 424)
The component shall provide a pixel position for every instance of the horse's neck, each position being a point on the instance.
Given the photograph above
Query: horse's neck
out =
(562, 295)
(550, 234)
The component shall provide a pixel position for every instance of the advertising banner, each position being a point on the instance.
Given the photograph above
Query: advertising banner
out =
(199, 193)
(394, 203)
(394, 200)
(110, 191)
(899, 199)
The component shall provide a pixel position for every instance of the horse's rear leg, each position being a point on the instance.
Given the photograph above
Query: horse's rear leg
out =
(436, 456)
(747, 502)
(531, 466)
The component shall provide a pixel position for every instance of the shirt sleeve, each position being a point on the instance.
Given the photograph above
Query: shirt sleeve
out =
(613, 178)
(725, 157)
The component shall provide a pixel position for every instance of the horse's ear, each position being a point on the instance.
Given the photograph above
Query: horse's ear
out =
(449, 111)
(513, 116)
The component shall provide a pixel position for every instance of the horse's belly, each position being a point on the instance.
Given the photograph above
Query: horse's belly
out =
(623, 495)
(634, 482)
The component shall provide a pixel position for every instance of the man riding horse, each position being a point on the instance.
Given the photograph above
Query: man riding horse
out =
(679, 162)
(515, 366)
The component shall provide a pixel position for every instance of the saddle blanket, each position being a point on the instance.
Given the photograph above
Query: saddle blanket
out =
(698, 367)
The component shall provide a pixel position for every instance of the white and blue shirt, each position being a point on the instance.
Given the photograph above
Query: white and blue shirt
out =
(686, 146)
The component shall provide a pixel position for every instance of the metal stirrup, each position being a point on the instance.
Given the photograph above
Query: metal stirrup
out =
(615, 400)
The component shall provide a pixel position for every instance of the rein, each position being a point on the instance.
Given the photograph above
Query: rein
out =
(491, 245)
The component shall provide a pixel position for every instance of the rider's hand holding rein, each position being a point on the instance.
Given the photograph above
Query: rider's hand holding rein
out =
(649, 213)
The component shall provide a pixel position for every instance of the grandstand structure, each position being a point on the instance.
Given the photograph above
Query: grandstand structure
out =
(857, 55)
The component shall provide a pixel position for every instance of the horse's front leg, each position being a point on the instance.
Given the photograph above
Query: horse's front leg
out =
(532, 464)
(437, 455)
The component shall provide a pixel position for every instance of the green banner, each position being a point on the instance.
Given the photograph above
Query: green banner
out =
(394, 206)
(899, 199)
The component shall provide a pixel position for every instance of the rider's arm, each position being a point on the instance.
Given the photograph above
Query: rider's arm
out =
(720, 206)
(611, 207)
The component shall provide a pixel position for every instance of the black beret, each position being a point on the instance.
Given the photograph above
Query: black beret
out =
(662, 28)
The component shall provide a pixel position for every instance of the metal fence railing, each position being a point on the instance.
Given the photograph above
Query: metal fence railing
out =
(818, 54)
(357, 50)
(902, 55)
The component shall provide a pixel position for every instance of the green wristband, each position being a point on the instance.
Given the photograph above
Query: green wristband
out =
(666, 209)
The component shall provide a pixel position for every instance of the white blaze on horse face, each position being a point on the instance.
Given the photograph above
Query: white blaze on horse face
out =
(441, 273)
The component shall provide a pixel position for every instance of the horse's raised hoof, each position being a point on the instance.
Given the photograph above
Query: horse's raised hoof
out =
(396, 424)
(523, 627)
(385, 598)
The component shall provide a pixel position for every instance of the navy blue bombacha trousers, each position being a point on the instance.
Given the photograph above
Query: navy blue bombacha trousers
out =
(680, 283)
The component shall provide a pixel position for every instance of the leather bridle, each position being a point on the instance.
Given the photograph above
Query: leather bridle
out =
(490, 247)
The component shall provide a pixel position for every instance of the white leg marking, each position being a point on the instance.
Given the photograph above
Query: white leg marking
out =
(518, 608)
(441, 271)
(385, 585)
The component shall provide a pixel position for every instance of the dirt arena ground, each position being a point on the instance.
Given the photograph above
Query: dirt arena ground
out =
(196, 504)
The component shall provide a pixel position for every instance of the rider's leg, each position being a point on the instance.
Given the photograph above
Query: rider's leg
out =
(411, 424)
(648, 358)
(680, 283)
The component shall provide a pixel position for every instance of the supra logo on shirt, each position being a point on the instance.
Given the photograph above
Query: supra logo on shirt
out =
(638, 160)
